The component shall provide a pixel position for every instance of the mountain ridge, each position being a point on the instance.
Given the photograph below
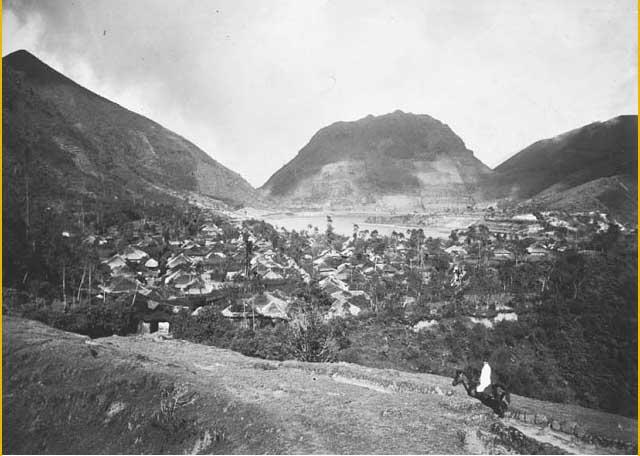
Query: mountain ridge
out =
(596, 150)
(103, 137)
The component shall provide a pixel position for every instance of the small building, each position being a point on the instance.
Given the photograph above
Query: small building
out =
(116, 261)
(342, 308)
(179, 260)
(134, 255)
(151, 263)
(537, 250)
(503, 255)
(456, 250)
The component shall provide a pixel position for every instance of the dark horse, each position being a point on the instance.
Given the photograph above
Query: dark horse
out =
(497, 398)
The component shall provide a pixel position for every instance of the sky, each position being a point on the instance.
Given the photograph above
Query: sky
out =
(251, 81)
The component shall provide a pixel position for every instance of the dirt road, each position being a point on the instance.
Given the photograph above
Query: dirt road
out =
(65, 393)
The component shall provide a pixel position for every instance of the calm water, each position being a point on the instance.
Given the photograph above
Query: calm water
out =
(343, 224)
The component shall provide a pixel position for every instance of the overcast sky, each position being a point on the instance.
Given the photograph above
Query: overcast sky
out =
(251, 81)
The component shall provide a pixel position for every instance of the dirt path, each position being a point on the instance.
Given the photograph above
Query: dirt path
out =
(67, 394)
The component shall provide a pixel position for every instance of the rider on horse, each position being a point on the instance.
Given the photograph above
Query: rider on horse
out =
(494, 395)
(485, 377)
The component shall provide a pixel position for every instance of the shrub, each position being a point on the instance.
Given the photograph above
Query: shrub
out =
(310, 339)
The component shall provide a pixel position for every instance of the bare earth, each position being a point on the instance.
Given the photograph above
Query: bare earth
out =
(65, 393)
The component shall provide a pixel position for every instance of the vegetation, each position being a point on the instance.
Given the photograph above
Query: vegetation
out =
(575, 343)
(574, 340)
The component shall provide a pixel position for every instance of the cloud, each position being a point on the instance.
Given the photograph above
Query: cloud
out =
(251, 82)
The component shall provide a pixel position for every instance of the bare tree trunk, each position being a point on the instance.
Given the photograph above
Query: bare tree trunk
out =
(90, 268)
(64, 287)
(84, 270)
(28, 218)
(134, 295)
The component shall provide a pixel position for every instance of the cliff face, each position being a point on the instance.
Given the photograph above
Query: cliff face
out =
(65, 393)
(395, 161)
(72, 140)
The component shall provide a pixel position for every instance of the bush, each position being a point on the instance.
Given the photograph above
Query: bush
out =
(93, 320)
(310, 339)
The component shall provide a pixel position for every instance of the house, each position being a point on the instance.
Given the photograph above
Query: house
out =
(272, 278)
(134, 255)
(331, 285)
(503, 228)
(211, 230)
(155, 322)
(151, 263)
(341, 309)
(116, 261)
(123, 285)
(184, 280)
(265, 306)
(503, 255)
(178, 278)
(198, 286)
(344, 274)
(237, 310)
(456, 250)
(525, 218)
(347, 253)
(271, 306)
(179, 260)
(233, 275)
(537, 250)
(215, 257)
(326, 272)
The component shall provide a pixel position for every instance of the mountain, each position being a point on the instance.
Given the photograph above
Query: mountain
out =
(67, 140)
(591, 154)
(395, 161)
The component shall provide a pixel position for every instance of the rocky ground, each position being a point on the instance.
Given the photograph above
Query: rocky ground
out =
(65, 393)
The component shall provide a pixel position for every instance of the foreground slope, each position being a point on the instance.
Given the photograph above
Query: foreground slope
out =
(65, 393)
(67, 140)
(398, 161)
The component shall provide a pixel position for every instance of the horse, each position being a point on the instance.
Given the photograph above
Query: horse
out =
(498, 400)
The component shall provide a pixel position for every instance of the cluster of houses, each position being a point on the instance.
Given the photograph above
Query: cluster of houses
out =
(253, 279)
(547, 233)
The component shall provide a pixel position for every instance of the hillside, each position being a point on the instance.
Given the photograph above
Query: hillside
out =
(615, 195)
(549, 167)
(65, 393)
(398, 161)
(66, 140)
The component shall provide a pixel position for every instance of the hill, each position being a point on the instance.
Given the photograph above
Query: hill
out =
(397, 161)
(550, 170)
(64, 140)
(66, 393)
(615, 195)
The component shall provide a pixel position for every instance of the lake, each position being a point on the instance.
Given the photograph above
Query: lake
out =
(343, 223)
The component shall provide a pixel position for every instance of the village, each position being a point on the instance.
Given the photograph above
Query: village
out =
(250, 271)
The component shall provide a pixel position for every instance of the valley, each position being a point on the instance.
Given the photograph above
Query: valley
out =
(324, 312)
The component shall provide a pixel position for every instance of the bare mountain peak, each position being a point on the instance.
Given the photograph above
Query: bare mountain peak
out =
(34, 69)
(408, 160)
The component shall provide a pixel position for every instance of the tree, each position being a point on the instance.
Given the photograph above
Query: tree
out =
(329, 232)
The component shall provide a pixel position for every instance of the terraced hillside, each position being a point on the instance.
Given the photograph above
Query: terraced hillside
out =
(397, 161)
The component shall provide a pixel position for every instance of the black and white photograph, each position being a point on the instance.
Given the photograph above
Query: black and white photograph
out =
(319, 226)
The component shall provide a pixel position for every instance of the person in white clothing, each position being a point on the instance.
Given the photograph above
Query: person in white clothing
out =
(485, 378)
